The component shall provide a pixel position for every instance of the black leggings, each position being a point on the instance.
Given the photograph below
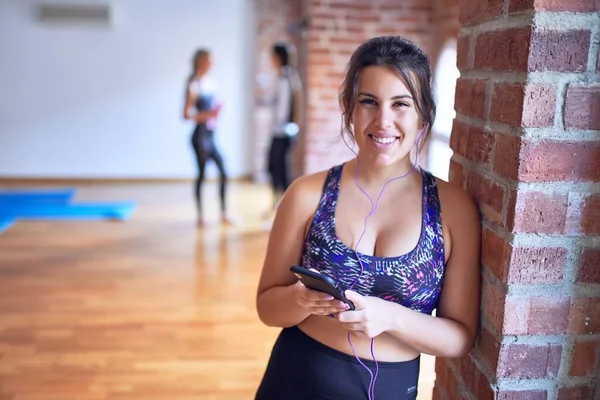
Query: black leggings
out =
(278, 163)
(204, 146)
(302, 368)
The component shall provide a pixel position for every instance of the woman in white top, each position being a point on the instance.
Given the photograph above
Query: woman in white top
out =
(202, 107)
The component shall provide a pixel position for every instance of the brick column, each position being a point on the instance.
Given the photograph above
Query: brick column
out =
(527, 146)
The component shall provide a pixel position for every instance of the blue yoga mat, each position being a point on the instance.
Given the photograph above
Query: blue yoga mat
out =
(6, 223)
(83, 211)
(25, 197)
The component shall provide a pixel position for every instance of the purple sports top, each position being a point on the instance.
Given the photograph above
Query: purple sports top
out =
(413, 280)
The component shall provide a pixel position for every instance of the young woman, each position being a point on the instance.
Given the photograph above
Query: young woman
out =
(202, 107)
(401, 242)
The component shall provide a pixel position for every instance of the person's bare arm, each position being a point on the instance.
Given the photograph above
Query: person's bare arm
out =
(198, 117)
(281, 300)
(453, 331)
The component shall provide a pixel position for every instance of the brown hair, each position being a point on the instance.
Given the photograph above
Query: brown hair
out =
(400, 55)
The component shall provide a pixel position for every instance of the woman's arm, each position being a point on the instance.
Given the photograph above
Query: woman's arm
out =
(453, 331)
(188, 109)
(279, 294)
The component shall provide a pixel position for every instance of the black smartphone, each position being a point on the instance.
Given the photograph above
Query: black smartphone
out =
(321, 282)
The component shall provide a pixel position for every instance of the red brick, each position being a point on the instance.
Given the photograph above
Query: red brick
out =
(522, 395)
(476, 382)
(507, 103)
(536, 212)
(582, 109)
(516, 315)
(488, 193)
(457, 174)
(550, 161)
(495, 253)
(520, 5)
(462, 57)
(489, 347)
(493, 305)
(506, 155)
(467, 372)
(548, 316)
(470, 97)
(537, 265)
(441, 371)
(506, 50)
(473, 11)
(590, 215)
(576, 393)
(539, 106)
(484, 389)
(451, 384)
(536, 315)
(552, 5)
(584, 316)
(519, 104)
(584, 358)
(589, 271)
(471, 142)
(568, 50)
(529, 361)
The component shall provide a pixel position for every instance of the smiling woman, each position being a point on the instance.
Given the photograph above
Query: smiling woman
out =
(378, 232)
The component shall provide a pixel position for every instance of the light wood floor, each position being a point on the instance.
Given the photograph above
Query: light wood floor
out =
(152, 308)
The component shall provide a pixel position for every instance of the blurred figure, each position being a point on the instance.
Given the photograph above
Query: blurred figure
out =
(201, 106)
(287, 106)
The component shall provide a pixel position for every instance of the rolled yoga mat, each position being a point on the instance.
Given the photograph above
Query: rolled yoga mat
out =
(83, 211)
(25, 197)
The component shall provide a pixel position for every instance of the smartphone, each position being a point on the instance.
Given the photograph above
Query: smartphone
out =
(321, 282)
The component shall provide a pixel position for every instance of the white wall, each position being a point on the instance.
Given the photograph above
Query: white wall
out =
(92, 101)
(446, 74)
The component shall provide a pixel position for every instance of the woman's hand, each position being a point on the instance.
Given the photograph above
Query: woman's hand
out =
(316, 302)
(369, 318)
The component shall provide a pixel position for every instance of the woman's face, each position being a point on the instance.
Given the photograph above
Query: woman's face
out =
(385, 121)
(275, 62)
(203, 64)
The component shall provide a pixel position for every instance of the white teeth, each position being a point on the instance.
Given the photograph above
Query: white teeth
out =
(383, 140)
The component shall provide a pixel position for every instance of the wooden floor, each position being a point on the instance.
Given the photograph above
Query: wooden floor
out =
(151, 308)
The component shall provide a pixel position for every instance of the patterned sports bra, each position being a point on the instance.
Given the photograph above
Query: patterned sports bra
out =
(413, 280)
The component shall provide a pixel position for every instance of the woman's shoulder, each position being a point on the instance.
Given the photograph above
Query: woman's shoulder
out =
(305, 192)
(308, 186)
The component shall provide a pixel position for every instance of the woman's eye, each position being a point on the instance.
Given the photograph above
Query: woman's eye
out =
(401, 104)
(368, 102)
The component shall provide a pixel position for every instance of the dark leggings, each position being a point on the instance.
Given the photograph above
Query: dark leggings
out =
(302, 368)
(204, 146)
(278, 163)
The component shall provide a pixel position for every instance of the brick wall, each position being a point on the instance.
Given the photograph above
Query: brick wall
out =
(527, 147)
(337, 28)
(275, 20)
